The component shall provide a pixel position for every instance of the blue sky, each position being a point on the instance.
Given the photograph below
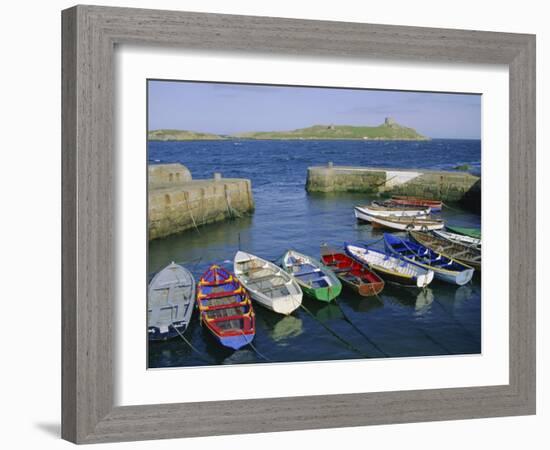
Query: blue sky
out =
(233, 108)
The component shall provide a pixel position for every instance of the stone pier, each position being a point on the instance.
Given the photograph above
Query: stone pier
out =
(178, 203)
(449, 186)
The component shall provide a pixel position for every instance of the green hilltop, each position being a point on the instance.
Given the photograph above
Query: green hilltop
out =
(389, 130)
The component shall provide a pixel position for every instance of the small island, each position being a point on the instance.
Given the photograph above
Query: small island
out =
(181, 135)
(389, 130)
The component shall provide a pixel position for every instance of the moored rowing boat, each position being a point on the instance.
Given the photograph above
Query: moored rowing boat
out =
(365, 212)
(445, 269)
(225, 308)
(389, 267)
(435, 205)
(352, 273)
(459, 238)
(465, 231)
(268, 284)
(317, 281)
(465, 254)
(170, 300)
(407, 223)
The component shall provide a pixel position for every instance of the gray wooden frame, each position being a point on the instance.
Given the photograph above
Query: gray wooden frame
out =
(89, 36)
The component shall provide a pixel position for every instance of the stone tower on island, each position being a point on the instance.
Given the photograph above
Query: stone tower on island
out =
(388, 121)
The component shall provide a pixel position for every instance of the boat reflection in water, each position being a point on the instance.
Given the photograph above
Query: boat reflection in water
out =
(324, 312)
(366, 304)
(423, 300)
(418, 299)
(286, 328)
(463, 295)
(242, 356)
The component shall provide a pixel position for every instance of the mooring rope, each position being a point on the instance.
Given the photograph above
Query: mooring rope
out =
(253, 347)
(424, 331)
(367, 243)
(202, 355)
(384, 182)
(233, 213)
(191, 214)
(369, 340)
(336, 335)
(458, 323)
(447, 206)
(430, 338)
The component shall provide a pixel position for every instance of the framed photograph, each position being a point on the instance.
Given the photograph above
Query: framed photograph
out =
(313, 222)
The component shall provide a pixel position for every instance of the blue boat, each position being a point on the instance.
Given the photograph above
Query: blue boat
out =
(445, 269)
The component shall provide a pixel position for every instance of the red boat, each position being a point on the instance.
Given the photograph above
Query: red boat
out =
(225, 308)
(352, 273)
(435, 205)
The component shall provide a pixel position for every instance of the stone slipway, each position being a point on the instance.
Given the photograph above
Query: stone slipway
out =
(449, 186)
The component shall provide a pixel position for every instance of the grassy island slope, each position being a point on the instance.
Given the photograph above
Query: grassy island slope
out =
(389, 130)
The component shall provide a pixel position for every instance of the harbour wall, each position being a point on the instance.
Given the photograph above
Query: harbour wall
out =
(449, 186)
(177, 203)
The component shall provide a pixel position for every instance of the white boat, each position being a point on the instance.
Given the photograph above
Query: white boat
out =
(390, 268)
(170, 301)
(367, 211)
(267, 283)
(407, 223)
(459, 238)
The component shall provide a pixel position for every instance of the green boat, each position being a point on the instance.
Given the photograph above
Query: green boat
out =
(315, 279)
(472, 232)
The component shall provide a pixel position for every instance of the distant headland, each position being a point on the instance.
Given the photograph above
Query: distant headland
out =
(389, 130)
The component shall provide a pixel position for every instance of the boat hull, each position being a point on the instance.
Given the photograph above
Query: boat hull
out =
(235, 342)
(268, 284)
(316, 280)
(173, 330)
(365, 213)
(170, 300)
(455, 273)
(459, 238)
(406, 224)
(434, 205)
(354, 275)
(471, 232)
(390, 268)
(225, 308)
(469, 256)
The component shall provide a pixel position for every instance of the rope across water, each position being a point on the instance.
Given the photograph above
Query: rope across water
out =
(336, 335)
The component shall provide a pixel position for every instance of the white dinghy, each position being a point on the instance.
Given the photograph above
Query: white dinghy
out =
(420, 223)
(267, 283)
(170, 301)
(367, 211)
(391, 268)
(459, 238)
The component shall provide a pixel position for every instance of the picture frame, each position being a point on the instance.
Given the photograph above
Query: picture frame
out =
(89, 36)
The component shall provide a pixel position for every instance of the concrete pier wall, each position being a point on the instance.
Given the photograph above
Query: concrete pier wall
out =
(178, 203)
(448, 186)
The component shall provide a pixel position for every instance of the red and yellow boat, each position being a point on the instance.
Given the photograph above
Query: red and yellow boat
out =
(434, 205)
(225, 308)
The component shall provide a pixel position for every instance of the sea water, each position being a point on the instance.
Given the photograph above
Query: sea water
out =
(400, 322)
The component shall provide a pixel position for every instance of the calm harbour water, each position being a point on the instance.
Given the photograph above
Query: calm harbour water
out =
(439, 320)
